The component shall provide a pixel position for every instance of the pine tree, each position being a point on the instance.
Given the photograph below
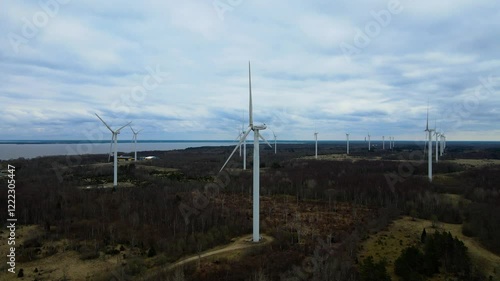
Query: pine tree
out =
(423, 237)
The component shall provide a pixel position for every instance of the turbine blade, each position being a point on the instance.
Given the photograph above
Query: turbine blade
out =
(250, 110)
(132, 130)
(103, 122)
(260, 136)
(238, 137)
(124, 126)
(236, 148)
(427, 124)
(111, 146)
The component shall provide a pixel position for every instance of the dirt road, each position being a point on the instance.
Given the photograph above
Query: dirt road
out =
(241, 243)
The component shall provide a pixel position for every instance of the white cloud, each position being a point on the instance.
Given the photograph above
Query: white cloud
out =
(93, 54)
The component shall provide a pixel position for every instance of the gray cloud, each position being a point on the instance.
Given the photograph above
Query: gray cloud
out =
(93, 54)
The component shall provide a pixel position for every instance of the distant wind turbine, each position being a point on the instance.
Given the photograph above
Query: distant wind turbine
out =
(429, 153)
(437, 134)
(115, 139)
(256, 161)
(369, 142)
(135, 142)
(275, 143)
(442, 144)
(347, 136)
(316, 145)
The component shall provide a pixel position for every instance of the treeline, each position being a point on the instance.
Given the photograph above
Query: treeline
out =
(440, 253)
(149, 216)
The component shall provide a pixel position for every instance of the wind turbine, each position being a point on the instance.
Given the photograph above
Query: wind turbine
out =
(347, 136)
(316, 145)
(244, 148)
(442, 143)
(238, 138)
(115, 158)
(437, 134)
(429, 155)
(134, 138)
(256, 161)
(275, 144)
(369, 142)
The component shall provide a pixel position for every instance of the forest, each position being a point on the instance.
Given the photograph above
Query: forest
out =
(318, 211)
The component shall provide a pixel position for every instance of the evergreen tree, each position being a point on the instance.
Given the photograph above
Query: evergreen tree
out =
(423, 236)
(373, 271)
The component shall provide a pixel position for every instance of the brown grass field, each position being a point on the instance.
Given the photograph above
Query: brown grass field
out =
(405, 232)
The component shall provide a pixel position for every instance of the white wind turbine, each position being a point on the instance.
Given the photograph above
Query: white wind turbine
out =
(134, 138)
(316, 145)
(240, 137)
(369, 142)
(442, 144)
(275, 144)
(256, 161)
(437, 134)
(115, 157)
(429, 153)
(347, 136)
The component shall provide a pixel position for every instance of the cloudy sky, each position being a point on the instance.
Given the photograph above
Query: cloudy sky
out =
(179, 69)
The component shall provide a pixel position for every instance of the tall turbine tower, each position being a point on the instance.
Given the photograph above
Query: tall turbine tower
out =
(316, 146)
(275, 144)
(134, 138)
(244, 148)
(239, 138)
(115, 139)
(437, 134)
(369, 142)
(347, 136)
(442, 144)
(429, 155)
(256, 161)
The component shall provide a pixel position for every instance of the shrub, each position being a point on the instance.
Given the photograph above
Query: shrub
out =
(373, 271)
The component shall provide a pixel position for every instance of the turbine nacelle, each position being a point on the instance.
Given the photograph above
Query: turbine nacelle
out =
(259, 127)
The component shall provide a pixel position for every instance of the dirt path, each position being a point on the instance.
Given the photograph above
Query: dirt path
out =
(241, 243)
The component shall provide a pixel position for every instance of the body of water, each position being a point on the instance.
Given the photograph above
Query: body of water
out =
(13, 149)
(31, 149)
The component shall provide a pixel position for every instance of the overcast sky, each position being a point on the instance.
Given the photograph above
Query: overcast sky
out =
(179, 69)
